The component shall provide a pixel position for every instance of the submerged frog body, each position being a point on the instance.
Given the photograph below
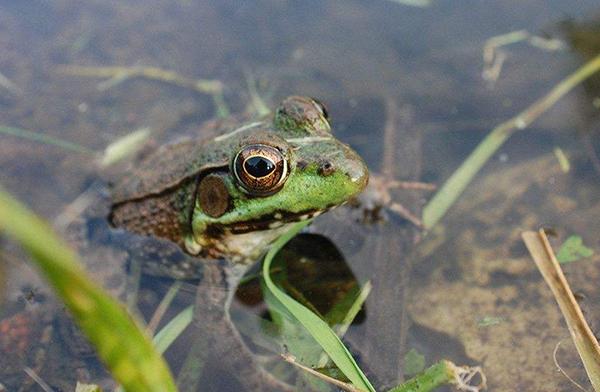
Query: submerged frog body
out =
(208, 210)
(215, 207)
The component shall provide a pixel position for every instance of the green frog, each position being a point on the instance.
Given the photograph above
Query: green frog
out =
(229, 198)
(209, 210)
(216, 207)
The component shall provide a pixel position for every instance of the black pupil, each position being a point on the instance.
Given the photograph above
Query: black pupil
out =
(258, 166)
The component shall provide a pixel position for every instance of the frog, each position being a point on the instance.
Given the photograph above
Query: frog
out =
(207, 210)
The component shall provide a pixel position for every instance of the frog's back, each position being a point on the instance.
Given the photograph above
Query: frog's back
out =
(172, 164)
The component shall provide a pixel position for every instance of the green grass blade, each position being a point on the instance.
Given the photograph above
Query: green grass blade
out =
(456, 184)
(317, 328)
(344, 313)
(439, 374)
(174, 328)
(120, 343)
(45, 139)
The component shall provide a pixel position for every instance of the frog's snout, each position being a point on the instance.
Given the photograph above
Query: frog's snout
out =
(356, 170)
(358, 173)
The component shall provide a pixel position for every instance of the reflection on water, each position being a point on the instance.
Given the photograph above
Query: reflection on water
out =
(404, 88)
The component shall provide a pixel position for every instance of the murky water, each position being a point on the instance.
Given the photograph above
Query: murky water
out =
(404, 87)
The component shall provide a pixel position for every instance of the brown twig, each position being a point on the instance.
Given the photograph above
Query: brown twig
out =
(561, 370)
(289, 358)
(587, 346)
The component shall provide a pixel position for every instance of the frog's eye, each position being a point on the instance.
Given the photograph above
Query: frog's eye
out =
(261, 170)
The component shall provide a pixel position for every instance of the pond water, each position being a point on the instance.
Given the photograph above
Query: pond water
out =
(405, 86)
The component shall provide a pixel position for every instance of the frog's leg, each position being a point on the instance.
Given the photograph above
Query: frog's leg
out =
(218, 337)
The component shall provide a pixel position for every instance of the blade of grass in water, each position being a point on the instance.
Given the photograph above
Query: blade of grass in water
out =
(174, 328)
(125, 349)
(124, 147)
(414, 3)
(586, 343)
(445, 372)
(45, 139)
(455, 185)
(317, 328)
(344, 313)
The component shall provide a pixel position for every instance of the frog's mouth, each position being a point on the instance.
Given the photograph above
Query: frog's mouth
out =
(272, 221)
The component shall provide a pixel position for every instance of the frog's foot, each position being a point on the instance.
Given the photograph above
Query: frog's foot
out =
(406, 214)
(377, 198)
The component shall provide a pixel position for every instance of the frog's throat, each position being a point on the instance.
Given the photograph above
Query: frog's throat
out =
(243, 242)
(273, 221)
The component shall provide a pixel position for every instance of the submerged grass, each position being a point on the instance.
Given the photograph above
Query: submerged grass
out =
(317, 328)
(445, 372)
(458, 181)
(120, 343)
(45, 139)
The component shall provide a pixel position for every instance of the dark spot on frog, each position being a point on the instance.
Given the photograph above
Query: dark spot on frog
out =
(214, 231)
(326, 168)
(301, 165)
(213, 195)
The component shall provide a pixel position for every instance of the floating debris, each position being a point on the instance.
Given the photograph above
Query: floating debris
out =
(573, 249)
(488, 321)
(494, 57)
(414, 3)
(124, 147)
(116, 75)
(563, 160)
(45, 139)
(10, 86)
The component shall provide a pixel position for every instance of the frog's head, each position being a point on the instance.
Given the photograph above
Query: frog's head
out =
(278, 174)
(233, 196)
